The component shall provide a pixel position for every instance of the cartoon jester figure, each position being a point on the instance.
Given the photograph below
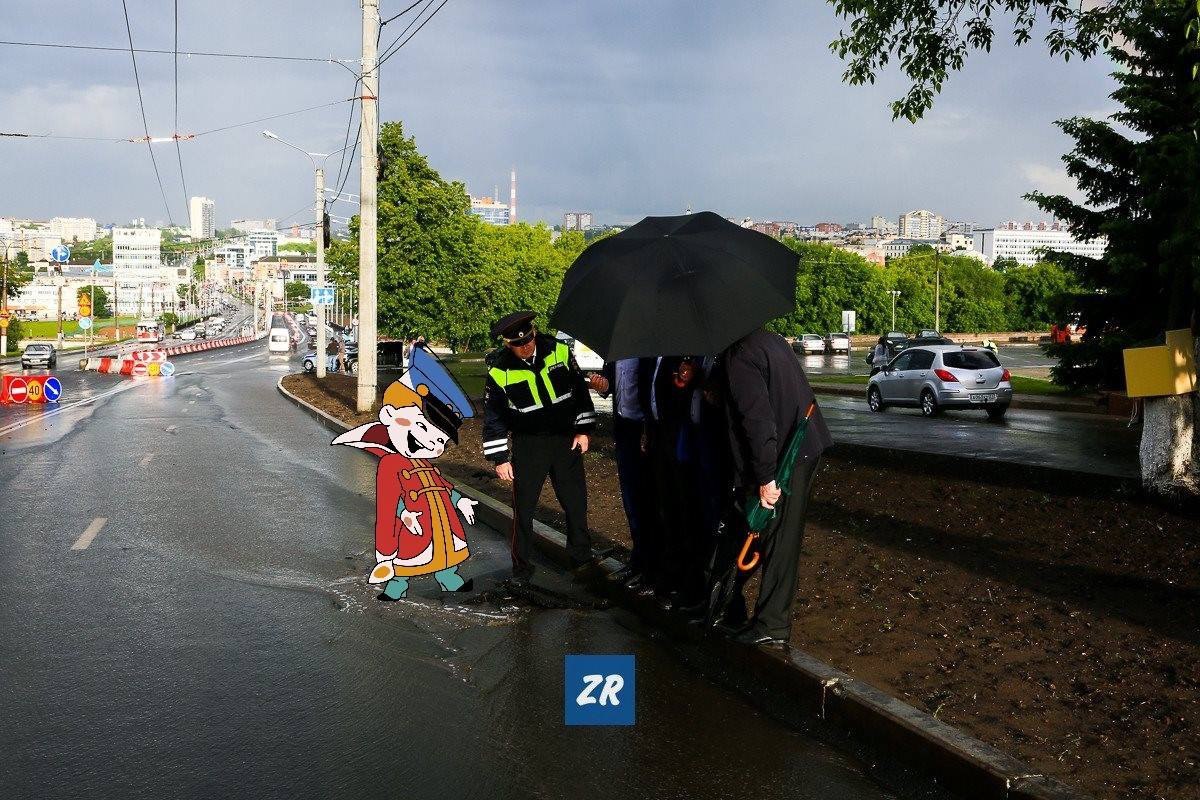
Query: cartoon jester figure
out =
(417, 525)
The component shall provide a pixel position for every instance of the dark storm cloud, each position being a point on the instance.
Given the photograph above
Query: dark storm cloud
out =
(622, 108)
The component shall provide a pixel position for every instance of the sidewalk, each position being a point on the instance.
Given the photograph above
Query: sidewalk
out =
(1057, 627)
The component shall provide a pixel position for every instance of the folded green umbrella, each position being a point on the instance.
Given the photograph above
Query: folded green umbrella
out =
(757, 517)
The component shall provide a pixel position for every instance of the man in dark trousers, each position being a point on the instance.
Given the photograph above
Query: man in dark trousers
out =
(536, 392)
(629, 382)
(767, 397)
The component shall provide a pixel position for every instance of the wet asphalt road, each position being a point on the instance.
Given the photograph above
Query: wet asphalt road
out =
(184, 613)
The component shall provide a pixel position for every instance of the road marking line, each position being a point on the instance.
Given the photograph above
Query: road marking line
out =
(171, 429)
(89, 534)
(66, 407)
(146, 459)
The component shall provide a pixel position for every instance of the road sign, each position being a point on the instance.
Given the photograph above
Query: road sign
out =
(321, 295)
(166, 369)
(53, 389)
(4, 322)
(85, 322)
(17, 390)
(34, 388)
(139, 370)
(61, 254)
(5, 314)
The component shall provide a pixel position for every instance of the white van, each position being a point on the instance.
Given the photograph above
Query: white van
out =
(587, 358)
(279, 341)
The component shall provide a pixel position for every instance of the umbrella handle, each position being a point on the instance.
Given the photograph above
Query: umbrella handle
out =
(747, 560)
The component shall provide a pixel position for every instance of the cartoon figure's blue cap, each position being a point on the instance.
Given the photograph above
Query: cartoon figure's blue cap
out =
(424, 368)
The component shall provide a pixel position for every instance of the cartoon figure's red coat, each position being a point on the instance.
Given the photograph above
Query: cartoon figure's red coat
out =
(415, 485)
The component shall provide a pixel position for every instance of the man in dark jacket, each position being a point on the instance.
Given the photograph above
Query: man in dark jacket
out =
(536, 392)
(767, 397)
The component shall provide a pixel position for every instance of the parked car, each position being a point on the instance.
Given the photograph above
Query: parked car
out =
(310, 360)
(809, 344)
(837, 342)
(187, 335)
(39, 355)
(928, 337)
(896, 341)
(936, 377)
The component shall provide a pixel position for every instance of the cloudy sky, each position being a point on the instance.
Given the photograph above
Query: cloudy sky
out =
(621, 107)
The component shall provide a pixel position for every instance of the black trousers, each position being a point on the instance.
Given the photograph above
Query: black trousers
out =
(637, 492)
(534, 456)
(780, 544)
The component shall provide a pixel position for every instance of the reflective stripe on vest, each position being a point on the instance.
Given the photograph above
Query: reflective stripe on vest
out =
(505, 378)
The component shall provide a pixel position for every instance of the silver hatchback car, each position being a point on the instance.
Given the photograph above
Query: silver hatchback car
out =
(936, 377)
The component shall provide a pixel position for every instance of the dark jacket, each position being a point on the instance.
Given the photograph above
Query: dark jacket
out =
(767, 395)
(575, 414)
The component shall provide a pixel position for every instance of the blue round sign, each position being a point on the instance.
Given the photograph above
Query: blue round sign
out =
(52, 389)
(61, 253)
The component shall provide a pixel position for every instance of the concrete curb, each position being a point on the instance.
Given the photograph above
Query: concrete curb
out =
(1022, 401)
(803, 690)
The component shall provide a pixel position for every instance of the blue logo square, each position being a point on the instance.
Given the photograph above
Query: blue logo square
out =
(599, 690)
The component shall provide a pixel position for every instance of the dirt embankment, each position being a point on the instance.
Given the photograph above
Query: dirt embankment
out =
(1063, 630)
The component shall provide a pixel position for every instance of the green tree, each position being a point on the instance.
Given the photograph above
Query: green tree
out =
(198, 270)
(100, 308)
(16, 332)
(17, 273)
(932, 38)
(830, 280)
(1033, 295)
(307, 248)
(170, 319)
(1005, 264)
(1142, 191)
(295, 290)
(100, 248)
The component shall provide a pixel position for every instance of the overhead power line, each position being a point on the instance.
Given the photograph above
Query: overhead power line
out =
(273, 116)
(401, 14)
(19, 135)
(145, 124)
(395, 47)
(202, 53)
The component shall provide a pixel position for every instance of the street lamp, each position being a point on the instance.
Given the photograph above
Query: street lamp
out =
(319, 209)
(894, 293)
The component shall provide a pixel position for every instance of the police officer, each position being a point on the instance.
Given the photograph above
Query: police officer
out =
(537, 393)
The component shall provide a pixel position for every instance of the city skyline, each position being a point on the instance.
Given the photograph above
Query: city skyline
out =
(708, 127)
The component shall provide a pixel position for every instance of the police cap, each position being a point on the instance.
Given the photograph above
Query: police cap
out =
(516, 327)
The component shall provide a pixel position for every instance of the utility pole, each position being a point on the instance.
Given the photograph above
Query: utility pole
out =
(367, 237)
(894, 293)
(60, 282)
(937, 294)
(319, 210)
(116, 309)
(4, 304)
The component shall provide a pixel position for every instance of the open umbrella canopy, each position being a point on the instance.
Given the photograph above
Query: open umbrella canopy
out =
(691, 284)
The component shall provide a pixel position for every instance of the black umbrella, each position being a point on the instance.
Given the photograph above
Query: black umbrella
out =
(692, 284)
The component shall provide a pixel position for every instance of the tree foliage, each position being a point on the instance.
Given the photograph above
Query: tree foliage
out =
(932, 38)
(17, 273)
(1142, 192)
(443, 273)
(100, 248)
(307, 248)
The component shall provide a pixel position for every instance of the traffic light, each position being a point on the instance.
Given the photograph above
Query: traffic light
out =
(85, 304)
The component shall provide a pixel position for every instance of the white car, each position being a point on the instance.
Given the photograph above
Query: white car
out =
(838, 342)
(188, 335)
(810, 344)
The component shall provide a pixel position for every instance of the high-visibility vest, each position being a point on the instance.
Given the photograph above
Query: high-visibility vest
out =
(523, 389)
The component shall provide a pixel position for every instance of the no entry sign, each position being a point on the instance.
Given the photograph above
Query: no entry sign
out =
(30, 389)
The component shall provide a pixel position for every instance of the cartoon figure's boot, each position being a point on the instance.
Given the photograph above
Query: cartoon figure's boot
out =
(451, 581)
(394, 589)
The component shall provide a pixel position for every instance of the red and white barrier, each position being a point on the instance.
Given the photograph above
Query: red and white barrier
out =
(114, 364)
(126, 366)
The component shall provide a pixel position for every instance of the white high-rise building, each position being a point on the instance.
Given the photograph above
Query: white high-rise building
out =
(203, 217)
(921, 224)
(884, 225)
(1027, 242)
(261, 244)
(577, 220)
(73, 229)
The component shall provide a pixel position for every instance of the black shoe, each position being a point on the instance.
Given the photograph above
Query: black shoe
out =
(756, 638)
(468, 586)
(622, 575)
